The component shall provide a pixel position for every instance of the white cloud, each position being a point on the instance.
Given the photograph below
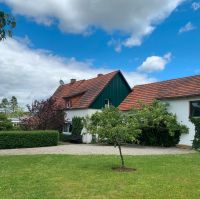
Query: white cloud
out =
(188, 27)
(134, 19)
(195, 6)
(155, 63)
(35, 73)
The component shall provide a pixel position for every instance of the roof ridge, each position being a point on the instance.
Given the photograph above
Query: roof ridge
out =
(169, 80)
(82, 80)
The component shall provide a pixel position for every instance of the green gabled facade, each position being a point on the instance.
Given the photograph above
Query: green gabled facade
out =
(116, 91)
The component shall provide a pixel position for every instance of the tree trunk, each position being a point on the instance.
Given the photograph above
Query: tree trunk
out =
(122, 159)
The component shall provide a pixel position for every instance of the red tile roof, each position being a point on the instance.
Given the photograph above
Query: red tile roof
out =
(83, 92)
(175, 88)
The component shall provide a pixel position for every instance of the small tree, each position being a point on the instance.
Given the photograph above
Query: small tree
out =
(114, 127)
(7, 23)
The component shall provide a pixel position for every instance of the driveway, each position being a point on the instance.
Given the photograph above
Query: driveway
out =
(90, 149)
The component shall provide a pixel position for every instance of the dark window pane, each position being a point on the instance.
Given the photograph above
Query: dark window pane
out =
(195, 108)
(67, 127)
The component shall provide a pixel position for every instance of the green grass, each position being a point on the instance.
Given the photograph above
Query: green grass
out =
(64, 176)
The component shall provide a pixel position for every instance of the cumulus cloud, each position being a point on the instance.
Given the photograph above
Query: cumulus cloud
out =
(35, 73)
(134, 19)
(195, 6)
(188, 27)
(155, 63)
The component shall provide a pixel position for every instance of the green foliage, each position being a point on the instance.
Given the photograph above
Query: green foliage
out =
(114, 127)
(87, 177)
(159, 127)
(27, 139)
(77, 125)
(5, 123)
(13, 104)
(7, 23)
(196, 141)
(18, 113)
(4, 105)
(11, 107)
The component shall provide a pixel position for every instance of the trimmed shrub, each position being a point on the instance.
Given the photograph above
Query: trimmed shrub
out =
(196, 141)
(77, 125)
(158, 137)
(27, 139)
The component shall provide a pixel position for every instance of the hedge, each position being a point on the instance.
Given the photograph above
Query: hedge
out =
(27, 139)
(196, 141)
(155, 137)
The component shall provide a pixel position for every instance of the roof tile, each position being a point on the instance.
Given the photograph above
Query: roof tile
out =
(181, 87)
(82, 93)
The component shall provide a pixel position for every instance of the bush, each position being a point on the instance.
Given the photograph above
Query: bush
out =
(155, 137)
(77, 125)
(196, 141)
(27, 139)
(5, 123)
(159, 127)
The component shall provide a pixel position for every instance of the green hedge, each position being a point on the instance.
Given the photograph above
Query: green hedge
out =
(27, 139)
(196, 141)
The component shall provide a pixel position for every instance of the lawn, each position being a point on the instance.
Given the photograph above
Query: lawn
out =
(64, 176)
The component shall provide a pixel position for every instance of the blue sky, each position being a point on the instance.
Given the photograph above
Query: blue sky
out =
(173, 45)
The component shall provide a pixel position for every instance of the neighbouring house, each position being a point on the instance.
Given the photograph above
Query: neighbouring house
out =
(15, 121)
(182, 95)
(85, 97)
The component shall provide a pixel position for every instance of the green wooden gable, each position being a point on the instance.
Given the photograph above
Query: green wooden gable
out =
(116, 91)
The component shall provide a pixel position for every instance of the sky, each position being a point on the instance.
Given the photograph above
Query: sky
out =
(67, 39)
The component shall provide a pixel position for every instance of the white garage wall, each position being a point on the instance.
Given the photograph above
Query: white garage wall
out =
(69, 114)
(181, 107)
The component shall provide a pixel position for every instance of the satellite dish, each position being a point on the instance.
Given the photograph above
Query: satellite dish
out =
(61, 82)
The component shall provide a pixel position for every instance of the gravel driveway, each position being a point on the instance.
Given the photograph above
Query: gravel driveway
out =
(88, 149)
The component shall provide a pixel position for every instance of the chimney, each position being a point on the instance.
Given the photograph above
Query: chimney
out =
(99, 75)
(72, 81)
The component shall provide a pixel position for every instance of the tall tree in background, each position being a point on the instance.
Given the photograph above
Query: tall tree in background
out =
(5, 105)
(13, 104)
(7, 23)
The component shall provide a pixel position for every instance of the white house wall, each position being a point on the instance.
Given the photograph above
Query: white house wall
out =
(69, 114)
(181, 107)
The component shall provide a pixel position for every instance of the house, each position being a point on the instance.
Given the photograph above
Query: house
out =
(182, 95)
(15, 121)
(85, 97)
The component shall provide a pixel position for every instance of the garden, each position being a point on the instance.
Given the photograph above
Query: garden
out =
(64, 176)
(92, 176)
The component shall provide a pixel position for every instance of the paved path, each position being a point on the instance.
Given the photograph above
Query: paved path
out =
(88, 149)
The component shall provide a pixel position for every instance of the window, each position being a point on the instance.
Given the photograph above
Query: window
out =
(107, 103)
(68, 104)
(67, 127)
(195, 108)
